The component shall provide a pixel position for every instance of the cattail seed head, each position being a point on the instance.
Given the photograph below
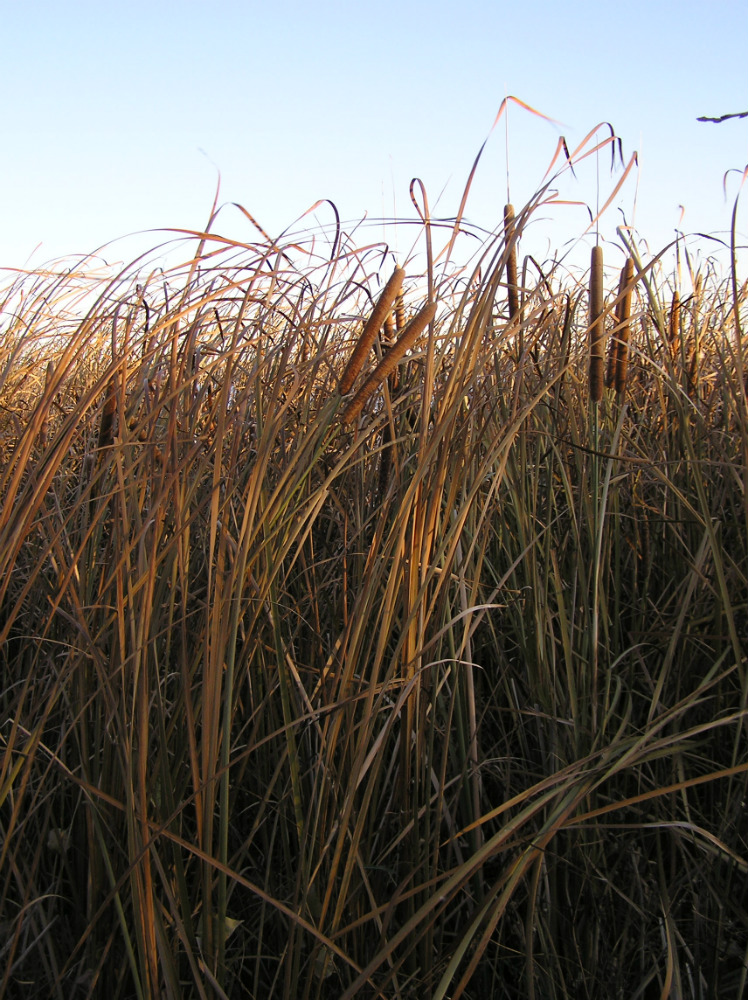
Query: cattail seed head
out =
(370, 330)
(674, 329)
(511, 264)
(597, 329)
(623, 313)
(386, 366)
(399, 311)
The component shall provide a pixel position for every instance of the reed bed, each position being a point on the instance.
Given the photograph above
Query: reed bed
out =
(431, 687)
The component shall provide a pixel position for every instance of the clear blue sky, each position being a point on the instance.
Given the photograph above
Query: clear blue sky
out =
(117, 117)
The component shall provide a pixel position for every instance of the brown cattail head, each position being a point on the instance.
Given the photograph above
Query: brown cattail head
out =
(389, 327)
(511, 263)
(370, 330)
(623, 314)
(386, 366)
(694, 350)
(399, 311)
(597, 329)
(674, 329)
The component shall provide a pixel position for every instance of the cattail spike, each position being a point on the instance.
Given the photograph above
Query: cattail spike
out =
(371, 329)
(597, 329)
(674, 331)
(511, 264)
(386, 366)
(399, 312)
(623, 315)
(389, 326)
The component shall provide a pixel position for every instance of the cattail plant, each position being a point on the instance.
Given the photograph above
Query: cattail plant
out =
(399, 312)
(389, 327)
(695, 345)
(371, 329)
(386, 366)
(615, 376)
(674, 327)
(596, 326)
(511, 263)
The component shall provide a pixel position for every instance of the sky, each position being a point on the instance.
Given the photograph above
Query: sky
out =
(122, 118)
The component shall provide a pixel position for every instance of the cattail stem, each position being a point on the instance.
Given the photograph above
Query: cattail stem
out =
(597, 328)
(371, 329)
(386, 366)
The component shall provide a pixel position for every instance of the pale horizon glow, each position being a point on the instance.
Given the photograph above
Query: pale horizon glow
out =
(119, 119)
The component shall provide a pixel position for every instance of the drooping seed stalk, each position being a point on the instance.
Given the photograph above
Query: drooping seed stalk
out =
(386, 366)
(596, 326)
(371, 329)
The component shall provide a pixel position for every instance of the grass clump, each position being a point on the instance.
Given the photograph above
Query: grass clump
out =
(433, 690)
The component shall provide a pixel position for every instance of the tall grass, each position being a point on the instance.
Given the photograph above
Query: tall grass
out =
(437, 689)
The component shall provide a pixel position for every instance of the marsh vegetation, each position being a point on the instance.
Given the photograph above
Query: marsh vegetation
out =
(432, 688)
